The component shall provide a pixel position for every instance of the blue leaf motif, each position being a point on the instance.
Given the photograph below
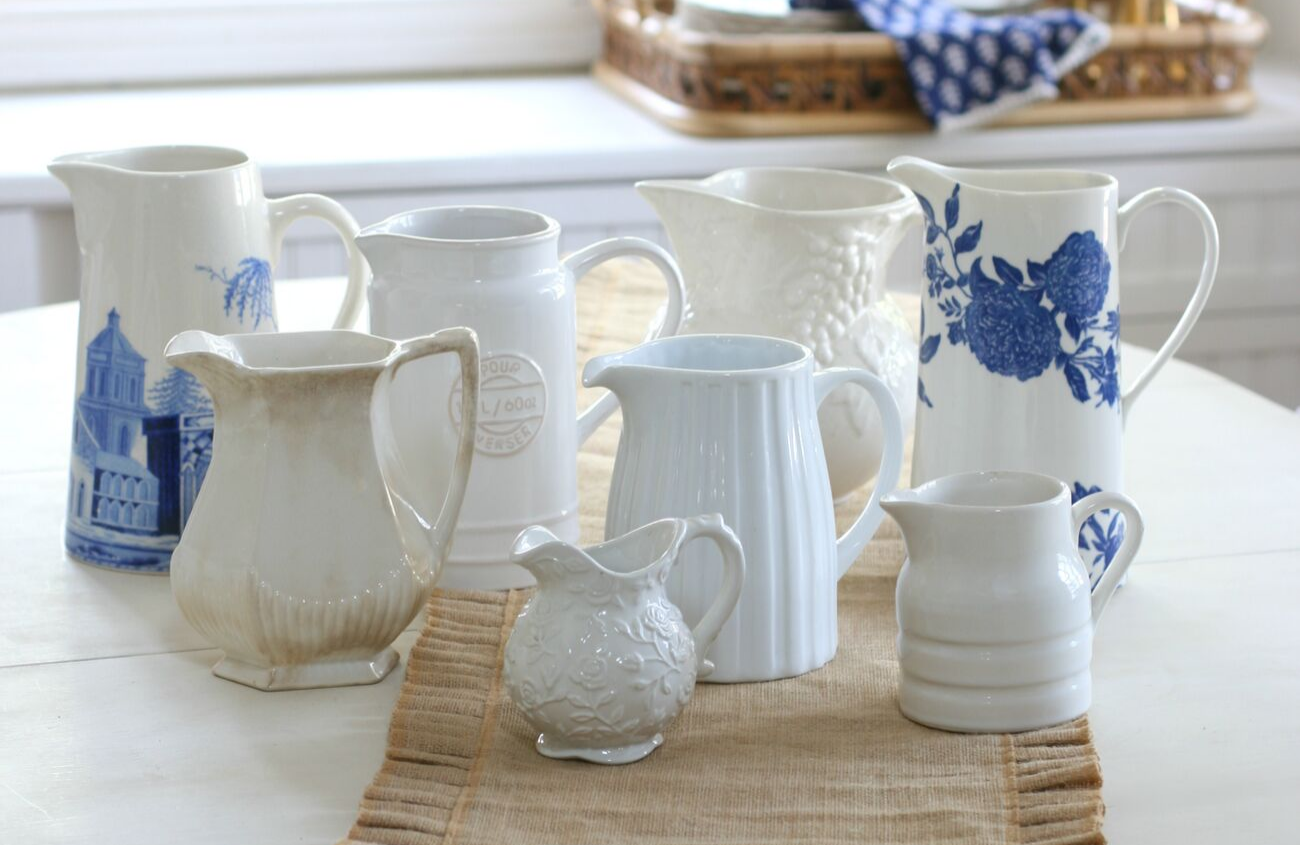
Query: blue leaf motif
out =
(1037, 273)
(248, 291)
(920, 393)
(932, 233)
(1112, 324)
(952, 208)
(1072, 326)
(969, 239)
(980, 283)
(1008, 272)
(930, 347)
(956, 334)
(927, 208)
(1078, 384)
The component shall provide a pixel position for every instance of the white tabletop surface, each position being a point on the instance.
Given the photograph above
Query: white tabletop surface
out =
(112, 730)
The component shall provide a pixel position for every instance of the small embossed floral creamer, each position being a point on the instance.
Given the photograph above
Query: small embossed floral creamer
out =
(600, 661)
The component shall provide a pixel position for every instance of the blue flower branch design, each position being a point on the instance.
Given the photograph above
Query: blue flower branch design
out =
(1016, 322)
(1103, 541)
(248, 291)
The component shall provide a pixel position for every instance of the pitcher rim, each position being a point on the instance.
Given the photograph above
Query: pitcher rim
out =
(1102, 181)
(1060, 494)
(903, 202)
(794, 365)
(384, 228)
(669, 551)
(377, 363)
(92, 157)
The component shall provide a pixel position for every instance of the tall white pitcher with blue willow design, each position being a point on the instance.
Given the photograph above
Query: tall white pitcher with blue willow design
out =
(1020, 319)
(171, 238)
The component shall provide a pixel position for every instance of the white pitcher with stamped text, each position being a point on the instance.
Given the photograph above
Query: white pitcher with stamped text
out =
(498, 271)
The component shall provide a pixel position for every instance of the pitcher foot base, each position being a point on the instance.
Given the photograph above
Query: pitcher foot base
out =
(342, 673)
(557, 750)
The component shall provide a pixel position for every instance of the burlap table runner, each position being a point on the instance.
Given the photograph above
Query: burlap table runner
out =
(826, 757)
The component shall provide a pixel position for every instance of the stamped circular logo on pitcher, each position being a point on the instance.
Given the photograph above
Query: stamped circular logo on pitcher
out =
(512, 403)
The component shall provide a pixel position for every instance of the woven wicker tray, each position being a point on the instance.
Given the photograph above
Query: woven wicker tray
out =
(734, 85)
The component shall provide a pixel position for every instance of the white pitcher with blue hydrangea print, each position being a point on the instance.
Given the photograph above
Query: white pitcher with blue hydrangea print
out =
(1020, 322)
(171, 238)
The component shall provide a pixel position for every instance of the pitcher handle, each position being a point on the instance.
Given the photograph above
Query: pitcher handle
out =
(286, 210)
(464, 343)
(584, 261)
(1209, 268)
(733, 579)
(850, 545)
(1133, 528)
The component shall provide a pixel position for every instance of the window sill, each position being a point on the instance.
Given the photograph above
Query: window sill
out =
(514, 131)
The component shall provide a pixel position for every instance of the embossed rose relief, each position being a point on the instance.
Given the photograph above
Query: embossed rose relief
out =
(647, 658)
(1021, 323)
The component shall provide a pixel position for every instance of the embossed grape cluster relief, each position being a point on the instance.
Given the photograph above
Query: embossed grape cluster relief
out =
(831, 288)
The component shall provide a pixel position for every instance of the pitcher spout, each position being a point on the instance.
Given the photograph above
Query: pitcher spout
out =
(535, 547)
(907, 509)
(604, 371)
(74, 172)
(678, 202)
(925, 178)
(213, 360)
(657, 191)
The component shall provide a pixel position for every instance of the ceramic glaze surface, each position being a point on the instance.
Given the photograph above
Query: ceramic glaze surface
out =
(498, 271)
(171, 238)
(801, 254)
(1021, 322)
(728, 424)
(305, 557)
(600, 660)
(996, 612)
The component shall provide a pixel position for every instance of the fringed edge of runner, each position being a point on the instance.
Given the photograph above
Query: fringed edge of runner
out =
(442, 722)
(1055, 785)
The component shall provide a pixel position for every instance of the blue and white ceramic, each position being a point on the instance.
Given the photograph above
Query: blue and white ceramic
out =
(171, 238)
(1020, 325)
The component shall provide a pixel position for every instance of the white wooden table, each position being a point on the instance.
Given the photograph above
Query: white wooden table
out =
(113, 731)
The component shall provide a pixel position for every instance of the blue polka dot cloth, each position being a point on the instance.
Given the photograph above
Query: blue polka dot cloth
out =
(968, 69)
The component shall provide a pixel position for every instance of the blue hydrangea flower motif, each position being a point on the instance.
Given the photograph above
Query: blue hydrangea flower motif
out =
(1077, 275)
(1009, 330)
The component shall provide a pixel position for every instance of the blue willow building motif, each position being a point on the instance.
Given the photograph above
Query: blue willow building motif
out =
(248, 291)
(1019, 323)
(123, 511)
(1101, 541)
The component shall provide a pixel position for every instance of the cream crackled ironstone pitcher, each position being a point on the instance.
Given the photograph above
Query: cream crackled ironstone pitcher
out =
(171, 238)
(728, 424)
(600, 660)
(800, 253)
(1020, 353)
(306, 555)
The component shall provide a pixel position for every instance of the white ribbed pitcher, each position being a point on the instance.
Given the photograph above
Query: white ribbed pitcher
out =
(728, 424)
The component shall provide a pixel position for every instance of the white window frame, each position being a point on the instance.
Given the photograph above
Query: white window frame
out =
(78, 43)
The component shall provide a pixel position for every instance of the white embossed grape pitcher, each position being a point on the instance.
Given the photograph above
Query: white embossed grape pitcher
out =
(800, 253)
(728, 424)
(1020, 352)
(498, 271)
(171, 238)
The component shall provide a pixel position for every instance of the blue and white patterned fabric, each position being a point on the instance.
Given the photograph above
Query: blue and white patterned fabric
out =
(968, 69)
